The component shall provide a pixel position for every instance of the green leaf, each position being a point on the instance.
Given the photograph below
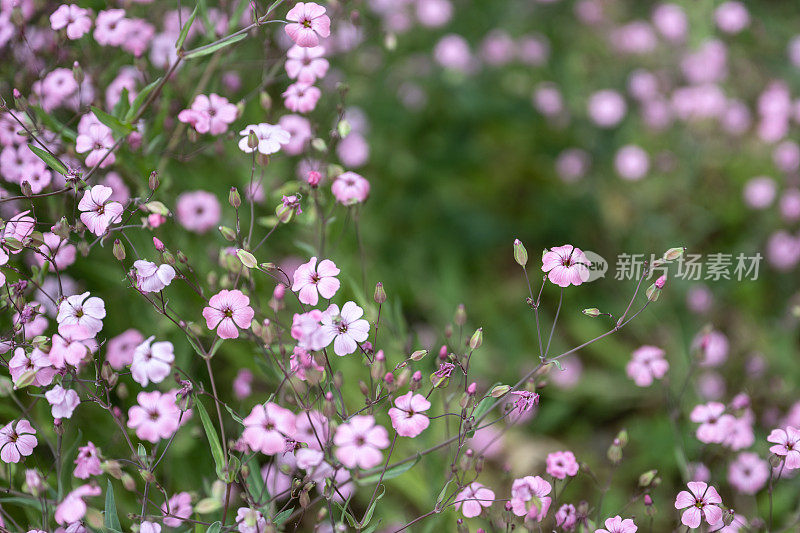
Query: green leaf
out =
(51, 160)
(19, 500)
(216, 527)
(443, 492)
(390, 473)
(255, 482)
(282, 517)
(122, 105)
(185, 29)
(55, 125)
(139, 100)
(211, 48)
(111, 519)
(207, 24)
(67, 458)
(116, 125)
(213, 440)
(234, 415)
(371, 510)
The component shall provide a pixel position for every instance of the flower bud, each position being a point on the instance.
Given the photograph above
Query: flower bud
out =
(158, 244)
(591, 311)
(343, 128)
(227, 233)
(520, 253)
(234, 198)
(153, 182)
(314, 178)
(319, 145)
(653, 292)
(674, 253)
(380, 294)
(265, 100)
(27, 190)
(647, 478)
(61, 228)
(660, 282)
(247, 259)
(252, 140)
(119, 250)
(461, 315)
(499, 390)
(168, 258)
(418, 355)
(477, 339)
(472, 388)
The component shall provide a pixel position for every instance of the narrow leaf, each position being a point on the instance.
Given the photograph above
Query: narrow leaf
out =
(186, 28)
(49, 159)
(116, 125)
(213, 440)
(111, 519)
(139, 100)
(390, 473)
(216, 527)
(210, 49)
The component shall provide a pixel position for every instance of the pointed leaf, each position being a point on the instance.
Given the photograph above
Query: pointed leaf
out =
(185, 29)
(213, 440)
(49, 159)
(111, 519)
(213, 47)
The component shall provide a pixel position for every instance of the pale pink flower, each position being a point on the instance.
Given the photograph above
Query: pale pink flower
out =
(646, 365)
(75, 19)
(299, 129)
(249, 520)
(62, 401)
(19, 227)
(306, 65)
(345, 329)
(36, 362)
(307, 330)
(312, 280)
(748, 473)
(17, 440)
(350, 188)
(156, 416)
(87, 462)
(567, 517)
(152, 361)
(453, 52)
(209, 114)
(97, 212)
(270, 138)
(566, 265)
(111, 27)
(301, 97)
(787, 445)
(226, 310)
(149, 527)
(700, 504)
(406, 415)
(713, 422)
(523, 493)
(71, 344)
(618, 525)
(631, 162)
(98, 140)
(243, 384)
(267, 427)
(670, 20)
(198, 211)
(178, 507)
(353, 150)
(759, 192)
(313, 429)
(731, 17)
(73, 508)
(82, 310)
(151, 277)
(562, 464)
(300, 362)
(714, 347)
(59, 252)
(473, 499)
(359, 442)
(119, 349)
(606, 108)
(308, 22)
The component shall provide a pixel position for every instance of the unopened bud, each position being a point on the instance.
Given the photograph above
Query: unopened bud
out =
(380, 294)
(158, 244)
(418, 355)
(153, 182)
(314, 178)
(27, 190)
(265, 100)
(247, 259)
(77, 72)
(520, 253)
(227, 233)
(592, 312)
(61, 228)
(477, 339)
(647, 478)
(660, 282)
(252, 140)
(674, 253)
(319, 145)
(461, 315)
(234, 198)
(472, 388)
(653, 292)
(119, 250)
(499, 390)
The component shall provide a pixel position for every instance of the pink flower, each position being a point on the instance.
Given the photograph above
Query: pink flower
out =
(406, 415)
(567, 517)
(566, 265)
(731, 17)
(155, 417)
(299, 129)
(360, 441)
(306, 65)
(209, 114)
(267, 427)
(17, 441)
(149, 527)
(36, 362)
(748, 473)
(647, 364)
(523, 493)
(350, 188)
(618, 525)
(270, 138)
(308, 23)
(242, 384)
(631, 162)
(119, 349)
(345, 329)
(301, 97)
(308, 332)
(97, 212)
(71, 345)
(226, 310)
(73, 508)
(88, 462)
(62, 401)
(59, 252)
(19, 227)
(198, 211)
(151, 277)
(311, 279)
(178, 507)
(152, 362)
(787, 445)
(313, 429)
(606, 108)
(562, 464)
(72, 17)
(250, 520)
(111, 27)
(473, 499)
(97, 139)
(713, 423)
(714, 347)
(300, 361)
(82, 310)
(701, 503)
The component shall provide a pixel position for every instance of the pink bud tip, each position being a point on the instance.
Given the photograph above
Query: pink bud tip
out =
(158, 244)
(379, 356)
(661, 281)
(417, 376)
(314, 178)
(388, 378)
(17, 94)
(472, 389)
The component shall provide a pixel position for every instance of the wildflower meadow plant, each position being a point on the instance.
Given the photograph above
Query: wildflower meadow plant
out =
(169, 342)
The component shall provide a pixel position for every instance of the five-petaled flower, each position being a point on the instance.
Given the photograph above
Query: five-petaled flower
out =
(226, 310)
(97, 212)
(473, 499)
(786, 444)
(406, 415)
(345, 329)
(566, 265)
(308, 23)
(360, 441)
(17, 440)
(312, 280)
(700, 502)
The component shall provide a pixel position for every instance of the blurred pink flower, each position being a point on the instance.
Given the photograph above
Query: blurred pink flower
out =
(523, 493)
(198, 211)
(62, 401)
(647, 363)
(74, 18)
(359, 442)
(562, 464)
(152, 361)
(87, 463)
(748, 473)
(72, 508)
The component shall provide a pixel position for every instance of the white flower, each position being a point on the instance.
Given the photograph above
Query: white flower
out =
(151, 277)
(270, 138)
(346, 328)
(62, 401)
(83, 311)
(152, 362)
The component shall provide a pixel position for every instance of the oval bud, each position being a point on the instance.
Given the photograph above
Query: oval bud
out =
(520, 253)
